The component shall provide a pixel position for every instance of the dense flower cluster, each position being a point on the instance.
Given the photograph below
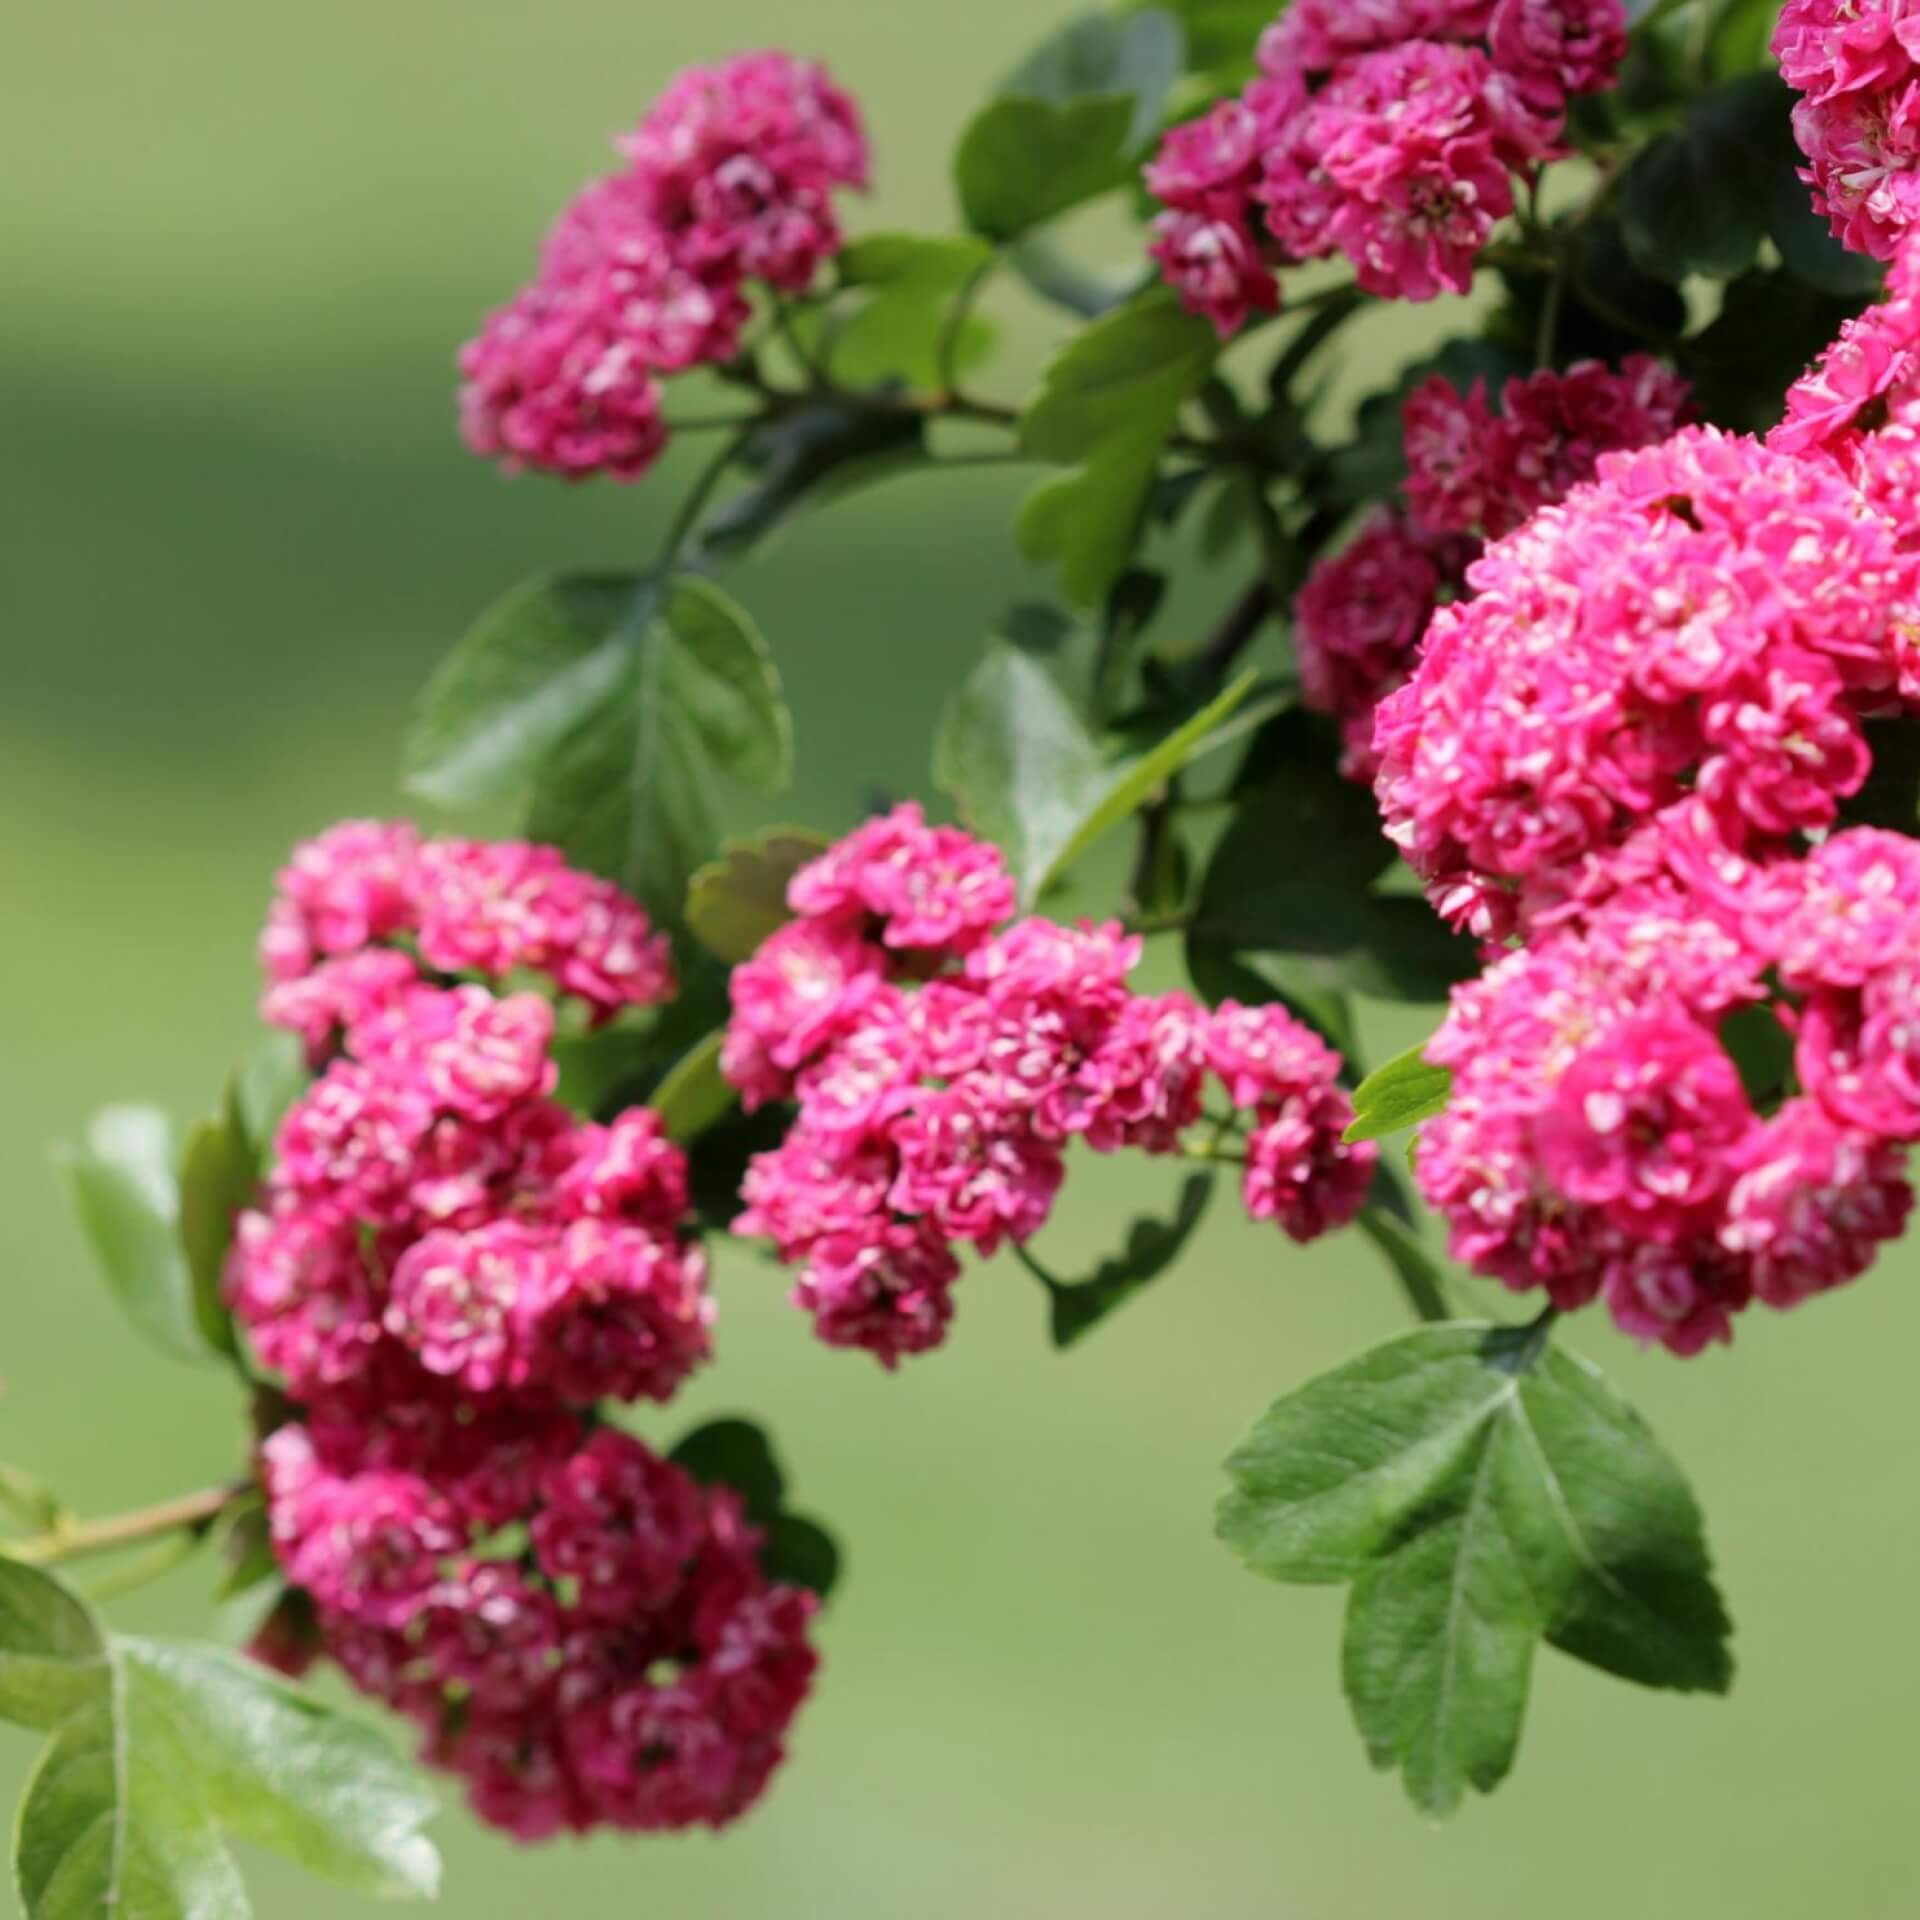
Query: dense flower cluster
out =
(1472, 475)
(941, 1061)
(1705, 622)
(1390, 132)
(448, 1271)
(621, 1661)
(1632, 749)
(1473, 471)
(1600, 1142)
(729, 179)
(1857, 65)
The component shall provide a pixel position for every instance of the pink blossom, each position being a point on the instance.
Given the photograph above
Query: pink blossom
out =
(470, 1053)
(804, 989)
(1213, 260)
(465, 1302)
(1643, 1121)
(936, 889)
(1219, 153)
(1263, 1054)
(972, 1170)
(549, 384)
(298, 1283)
(629, 1170)
(351, 1139)
(1560, 46)
(1703, 615)
(1862, 150)
(619, 1525)
(737, 161)
(368, 1545)
(1812, 1204)
(348, 888)
(622, 1313)
(1358, 624)
(338, 996)
(887, 1288)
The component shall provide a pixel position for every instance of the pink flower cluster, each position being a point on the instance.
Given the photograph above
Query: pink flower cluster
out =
(729, 179)
(1472, 474)
(1857, 65)
(941, 1062)
(1600, 1143)
(357, 903)
(1472, 471)
(1389, 131)
(448, 1272)
(1704, 625)
(580, 1631)
(1632, 750)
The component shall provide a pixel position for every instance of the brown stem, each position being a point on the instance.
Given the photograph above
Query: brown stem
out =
(192, 1512)
(1237, 630)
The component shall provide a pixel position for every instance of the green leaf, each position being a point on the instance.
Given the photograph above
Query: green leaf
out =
(736, 901)
(220, 1172)
(629, 792)
(1422, 1278)
(123, 1188)
(1222, 34)
(1109, 400)
(53, 1658)
(1771, 324)
(269, 1081)
(695, 1094)
(1403, 1093)
(806, 456)
(177, 1747)
(801, 1553)
(1069, 124)
(1696, 200)
(1152, 1247)
(1481, 1495)
(912, 281)
(1293, 875)
(1139, 55)
(1026, 772)
(737, 1453)
(1022, 162)
(536, 665)
(1762, 1049)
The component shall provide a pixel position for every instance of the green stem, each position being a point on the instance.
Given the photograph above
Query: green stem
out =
(192, 1513)
(698, 499)
(1426, 1299)
(1033, 1266)
(953, 326)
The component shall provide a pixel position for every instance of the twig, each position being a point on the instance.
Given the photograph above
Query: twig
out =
(191, 1513)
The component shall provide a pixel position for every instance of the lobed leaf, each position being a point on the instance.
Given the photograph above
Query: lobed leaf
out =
(911, 281)
(531, 669)
(1108, 403)
(736, 1453)
(694, 1095)
(1026, 771)
(628, 793)
(1481, 1494)
(1152, 1247)
(1400, 1094)
(1294, 875)
(125, 1193)
(736, 901)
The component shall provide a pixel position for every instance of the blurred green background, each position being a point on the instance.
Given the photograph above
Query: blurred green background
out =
(241, 241)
